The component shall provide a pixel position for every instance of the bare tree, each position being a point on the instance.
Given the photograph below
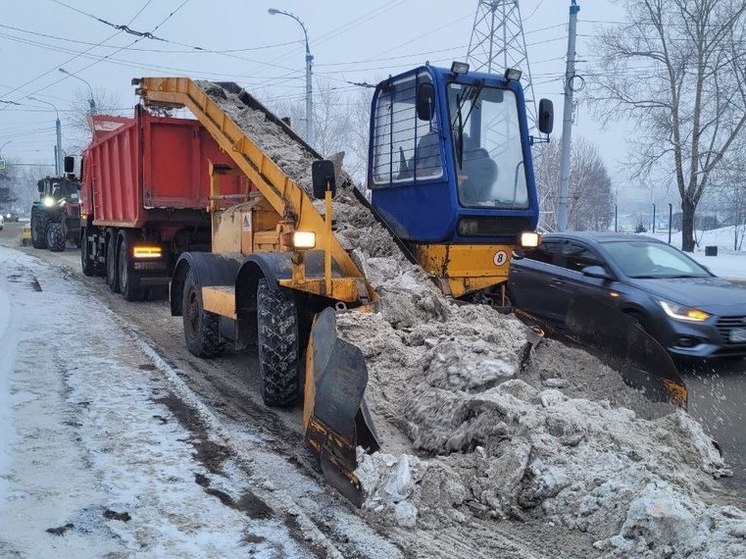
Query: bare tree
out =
(591, 199)
(678, 69)
(78, 126)
(340, 124)
(728, 196)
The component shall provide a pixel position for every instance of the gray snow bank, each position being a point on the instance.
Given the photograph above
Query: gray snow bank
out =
(563, 440)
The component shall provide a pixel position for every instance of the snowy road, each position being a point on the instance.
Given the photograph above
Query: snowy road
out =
(115, 440)
(118, 442)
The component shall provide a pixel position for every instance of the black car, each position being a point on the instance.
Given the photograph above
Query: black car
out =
(690, 311)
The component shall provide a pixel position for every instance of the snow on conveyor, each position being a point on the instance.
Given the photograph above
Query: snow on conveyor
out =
(467, 434)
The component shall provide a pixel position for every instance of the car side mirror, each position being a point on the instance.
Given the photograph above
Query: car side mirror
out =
(596, 272)
(546, 116)
(322, 174)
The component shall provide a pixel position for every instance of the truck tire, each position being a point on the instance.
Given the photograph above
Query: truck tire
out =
(201, 328)
(278, 345)
(126, 276)
(38, 228)
(111, 262)
(55, 236)
(86, 263)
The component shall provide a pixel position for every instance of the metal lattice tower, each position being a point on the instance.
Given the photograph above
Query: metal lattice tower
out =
(497, 42)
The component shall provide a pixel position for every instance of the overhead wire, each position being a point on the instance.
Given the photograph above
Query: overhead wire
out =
(46, 73)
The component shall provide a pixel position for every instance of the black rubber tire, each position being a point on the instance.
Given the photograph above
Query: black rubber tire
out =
(112, 277)
(278, 345)
(201, 328)
(86, 263)
(125, 275)
(38, 228)
(56, 239)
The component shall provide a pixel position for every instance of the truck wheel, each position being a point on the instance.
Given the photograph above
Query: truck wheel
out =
(38, 229)
(86, 264)
(201, 328)
(278, 345)
(55, 236)
(126, 277)
(111, 262)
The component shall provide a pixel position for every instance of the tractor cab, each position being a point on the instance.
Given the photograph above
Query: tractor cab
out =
(54, 191)
(450, 156)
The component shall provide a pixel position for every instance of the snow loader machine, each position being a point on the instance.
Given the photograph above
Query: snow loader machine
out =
(55, 217)
(451, 176)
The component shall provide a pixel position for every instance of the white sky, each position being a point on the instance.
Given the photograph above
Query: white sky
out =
(355, 41)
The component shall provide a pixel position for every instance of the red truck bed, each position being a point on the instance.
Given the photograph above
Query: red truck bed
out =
(135, 168)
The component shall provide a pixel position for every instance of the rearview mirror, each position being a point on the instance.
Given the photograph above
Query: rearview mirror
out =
(596, 272)
(425, 101)
(40, 186)
(546, 116)
(69, 164)
(322, 173)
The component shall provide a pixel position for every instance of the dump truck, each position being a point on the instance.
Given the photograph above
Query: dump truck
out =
(145, 189)
(452, 181)
(55, 217)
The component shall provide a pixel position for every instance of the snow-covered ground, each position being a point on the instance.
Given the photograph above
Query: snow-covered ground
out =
(94, 461)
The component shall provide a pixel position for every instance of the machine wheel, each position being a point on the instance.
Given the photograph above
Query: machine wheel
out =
(38, 229)
(278, 345)
(86, 264)
(56, 240)
(201, 328)
(129, 292)
(111, 262)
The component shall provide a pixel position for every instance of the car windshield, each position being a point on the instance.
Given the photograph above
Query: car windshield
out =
(650, 259)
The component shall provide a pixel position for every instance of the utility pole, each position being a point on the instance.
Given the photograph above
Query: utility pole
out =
(564, 194)
(309, 82)
(58, 165)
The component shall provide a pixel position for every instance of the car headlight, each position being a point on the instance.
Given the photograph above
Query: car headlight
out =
(48, 201)
(681, 312)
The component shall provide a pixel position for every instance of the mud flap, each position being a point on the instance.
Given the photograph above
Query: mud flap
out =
(620, 342)
(335, 416)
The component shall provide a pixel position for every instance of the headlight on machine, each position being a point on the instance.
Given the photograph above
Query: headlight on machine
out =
(681, 312)
(303, 240)
(48, 201)
(529, 239)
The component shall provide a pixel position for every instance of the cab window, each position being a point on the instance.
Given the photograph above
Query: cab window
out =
(405, 149)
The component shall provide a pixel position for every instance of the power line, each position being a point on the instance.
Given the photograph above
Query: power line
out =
(74, 57)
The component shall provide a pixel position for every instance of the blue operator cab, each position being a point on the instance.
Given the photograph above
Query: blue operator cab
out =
(450, 156)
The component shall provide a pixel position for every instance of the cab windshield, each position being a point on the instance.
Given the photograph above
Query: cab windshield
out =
(487, 145)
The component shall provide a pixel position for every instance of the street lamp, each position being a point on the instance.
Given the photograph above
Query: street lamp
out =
(58, 148)
(91, 102)
(309, 88)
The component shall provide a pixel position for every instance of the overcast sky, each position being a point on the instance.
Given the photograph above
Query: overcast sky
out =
(350, 41)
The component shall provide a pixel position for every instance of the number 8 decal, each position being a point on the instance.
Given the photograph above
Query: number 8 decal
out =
(500, 258)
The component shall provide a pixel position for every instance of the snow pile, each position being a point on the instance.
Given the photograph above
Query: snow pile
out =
(559, 438)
